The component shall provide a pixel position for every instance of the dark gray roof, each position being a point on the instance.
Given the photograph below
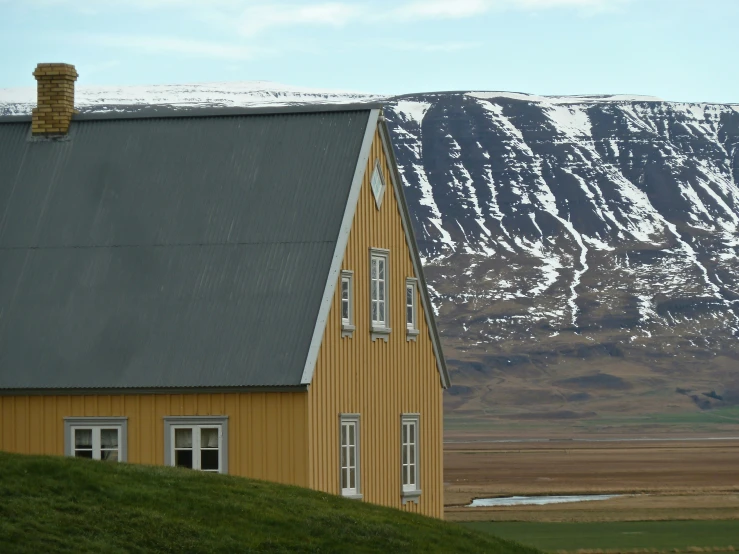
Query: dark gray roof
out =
(116, 244)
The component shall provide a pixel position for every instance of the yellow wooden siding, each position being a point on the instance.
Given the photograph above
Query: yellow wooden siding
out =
(378, 380)
(267, 431)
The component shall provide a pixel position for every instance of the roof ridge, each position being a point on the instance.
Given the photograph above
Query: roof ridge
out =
(161, 111)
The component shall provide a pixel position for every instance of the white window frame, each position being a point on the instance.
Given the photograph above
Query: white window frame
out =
(410, 492)
(411, 327)
(377, 184)
(347, 324)
(196, 423)
(346, 420)
(379, 328)
(96, 424)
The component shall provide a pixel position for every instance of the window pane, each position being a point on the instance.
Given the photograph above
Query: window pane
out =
(183, 438)
(409, 315)
(412, 433)
(352, 478)
(352, 461)
(405, 434)
(374, 268)
(344, 478)
(412, 454)
(405, 455)
(343, 434)
(209, 460)
(412, 476)
(83, 454)
(108, 438)
(381, 286)
(83, 438)
(381, 311)
(183, 458)
(109, 455)
(343, 457)
(345, 309)
(344, 288)
(351, 434)
(209, 438)
(374, 290)
(381, 268)
(409, 295)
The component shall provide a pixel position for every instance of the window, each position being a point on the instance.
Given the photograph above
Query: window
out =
(96, 438)
(349, 455)
(411, 310)
(197, 443)
(379, 310)
(410, 481)
(347, 304)
(378, 184)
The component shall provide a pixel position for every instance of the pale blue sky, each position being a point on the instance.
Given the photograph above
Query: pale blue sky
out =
(684, 50)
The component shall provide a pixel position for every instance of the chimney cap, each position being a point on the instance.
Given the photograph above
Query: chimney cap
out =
(55, 70)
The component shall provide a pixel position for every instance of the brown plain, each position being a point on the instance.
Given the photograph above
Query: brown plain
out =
(664, 480)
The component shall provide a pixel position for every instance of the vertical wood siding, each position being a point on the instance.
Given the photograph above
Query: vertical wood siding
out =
(267, 431)
(379, 380)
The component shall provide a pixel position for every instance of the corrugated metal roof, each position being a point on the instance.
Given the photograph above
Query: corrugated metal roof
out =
(177, 252)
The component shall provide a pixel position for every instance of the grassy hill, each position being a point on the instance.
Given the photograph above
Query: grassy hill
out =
(53, 504)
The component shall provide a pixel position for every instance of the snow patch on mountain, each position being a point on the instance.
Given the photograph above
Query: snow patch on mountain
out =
(234, 94)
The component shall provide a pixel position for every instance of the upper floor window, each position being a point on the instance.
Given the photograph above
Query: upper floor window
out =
(378, 293)
(96, 438)
(347, 303)
(409, 427)
(197, 443)
(378, 184)
(349, 455)
(411, 308)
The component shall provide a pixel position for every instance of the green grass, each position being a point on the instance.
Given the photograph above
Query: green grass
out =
(657, 535)
(53, 504)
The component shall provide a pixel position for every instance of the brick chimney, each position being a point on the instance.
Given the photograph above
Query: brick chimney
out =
(55, 105)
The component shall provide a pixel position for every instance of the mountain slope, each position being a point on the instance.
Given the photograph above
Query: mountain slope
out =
(582, 252)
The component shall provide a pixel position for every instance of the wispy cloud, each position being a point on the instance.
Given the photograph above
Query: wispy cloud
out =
(256, 17)
(259, 18)
(441, 9)
(159, 44)
(431, 46)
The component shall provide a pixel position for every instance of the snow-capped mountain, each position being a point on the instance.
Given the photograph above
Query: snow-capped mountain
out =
(582, 252)
(16, 101)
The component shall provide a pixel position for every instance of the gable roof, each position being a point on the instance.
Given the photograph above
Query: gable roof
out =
(174, 249)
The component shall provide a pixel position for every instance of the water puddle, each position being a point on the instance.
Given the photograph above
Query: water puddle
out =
(538, 500)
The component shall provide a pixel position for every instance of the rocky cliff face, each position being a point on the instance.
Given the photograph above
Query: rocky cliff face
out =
(582, 252)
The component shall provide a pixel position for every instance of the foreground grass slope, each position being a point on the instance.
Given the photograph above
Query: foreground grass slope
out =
(53, 504)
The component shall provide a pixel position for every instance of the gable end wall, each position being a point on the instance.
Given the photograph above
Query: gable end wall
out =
(378, 380)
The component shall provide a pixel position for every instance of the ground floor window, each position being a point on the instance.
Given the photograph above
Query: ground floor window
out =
(409, 429)
(197, 443)
(349, 455)
(96, 438)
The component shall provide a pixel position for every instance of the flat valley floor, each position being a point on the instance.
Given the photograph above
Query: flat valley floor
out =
(673, 479)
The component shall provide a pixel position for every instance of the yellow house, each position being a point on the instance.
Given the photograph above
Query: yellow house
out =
(229, 290)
